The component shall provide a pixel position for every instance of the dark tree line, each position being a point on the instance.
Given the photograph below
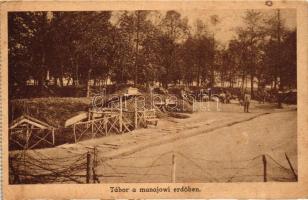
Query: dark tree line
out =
(143, 47)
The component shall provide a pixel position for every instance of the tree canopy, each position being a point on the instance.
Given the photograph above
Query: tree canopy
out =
(146, 47)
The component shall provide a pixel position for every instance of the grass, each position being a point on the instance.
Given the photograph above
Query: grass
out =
(53, 110)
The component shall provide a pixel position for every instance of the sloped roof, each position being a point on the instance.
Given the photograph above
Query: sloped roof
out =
(30, 120)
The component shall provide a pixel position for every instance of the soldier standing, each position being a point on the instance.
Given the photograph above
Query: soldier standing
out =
(228, 97)
(247, 98)
(209, 93)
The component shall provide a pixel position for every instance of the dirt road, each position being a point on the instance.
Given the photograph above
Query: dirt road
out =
(230, 154)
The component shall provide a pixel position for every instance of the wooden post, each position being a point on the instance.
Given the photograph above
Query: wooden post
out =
(95, 178)
(292, 169)
(217, 105)
(208, 105)
(74, 131)
(88, 80)
(14, 172)
(92, 128)
(89, 115)
(125, 101)
(53, 136)
(151, 93)
(105, 125)
(264, 168)
(136, 114)
(173, 169)
(121, 115)
(27, 138)
(24, 162)
(193, 105)
(89, 168)
(93, 165)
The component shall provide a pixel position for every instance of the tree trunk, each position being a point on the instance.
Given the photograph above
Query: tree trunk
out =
(88, 82)
(212, 81)
(278, 61)
(251, 85)
(61, 76)
(243, 81)
(137, 49)
(77, 74)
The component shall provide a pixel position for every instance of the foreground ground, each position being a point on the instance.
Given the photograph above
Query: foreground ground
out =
(224, 145)
(229, 154)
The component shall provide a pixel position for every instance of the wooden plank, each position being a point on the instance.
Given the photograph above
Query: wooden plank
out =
(89, 175)
(151, 120)
(23, 128)
(40, 140)
(264, 168)
(74, 131)
(83, 132)
(113, 125)
(173, 170)
(136, 114)
(53, 136)
(99, 128)
(75, 119)
(126, 127)
(121, 114)
(94, 120)
(92, 129)
(291, 167)
(106, 125)
(28, 135)
(17, 142)
(28, 119)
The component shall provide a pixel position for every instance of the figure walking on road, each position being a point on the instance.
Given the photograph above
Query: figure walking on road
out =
(247, 98)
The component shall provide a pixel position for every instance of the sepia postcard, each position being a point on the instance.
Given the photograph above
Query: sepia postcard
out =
(154, 99)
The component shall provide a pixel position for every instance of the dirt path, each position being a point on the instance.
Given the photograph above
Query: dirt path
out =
(229, 154)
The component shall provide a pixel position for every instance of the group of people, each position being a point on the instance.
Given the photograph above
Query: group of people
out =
(245, 101)
(225, 97)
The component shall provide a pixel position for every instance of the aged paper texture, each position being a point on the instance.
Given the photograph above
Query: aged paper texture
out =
(154, 99)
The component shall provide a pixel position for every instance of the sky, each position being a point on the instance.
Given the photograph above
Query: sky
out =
(230, 19)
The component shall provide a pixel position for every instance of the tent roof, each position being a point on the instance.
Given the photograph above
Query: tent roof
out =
(30, 120)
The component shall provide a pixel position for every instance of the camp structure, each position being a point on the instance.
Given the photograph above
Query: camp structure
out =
(46, 122)
(39, 122)
(27, 132)
(121, 112)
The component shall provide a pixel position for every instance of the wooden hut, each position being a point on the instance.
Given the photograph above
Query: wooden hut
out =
(40, 122)
(27, 132)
